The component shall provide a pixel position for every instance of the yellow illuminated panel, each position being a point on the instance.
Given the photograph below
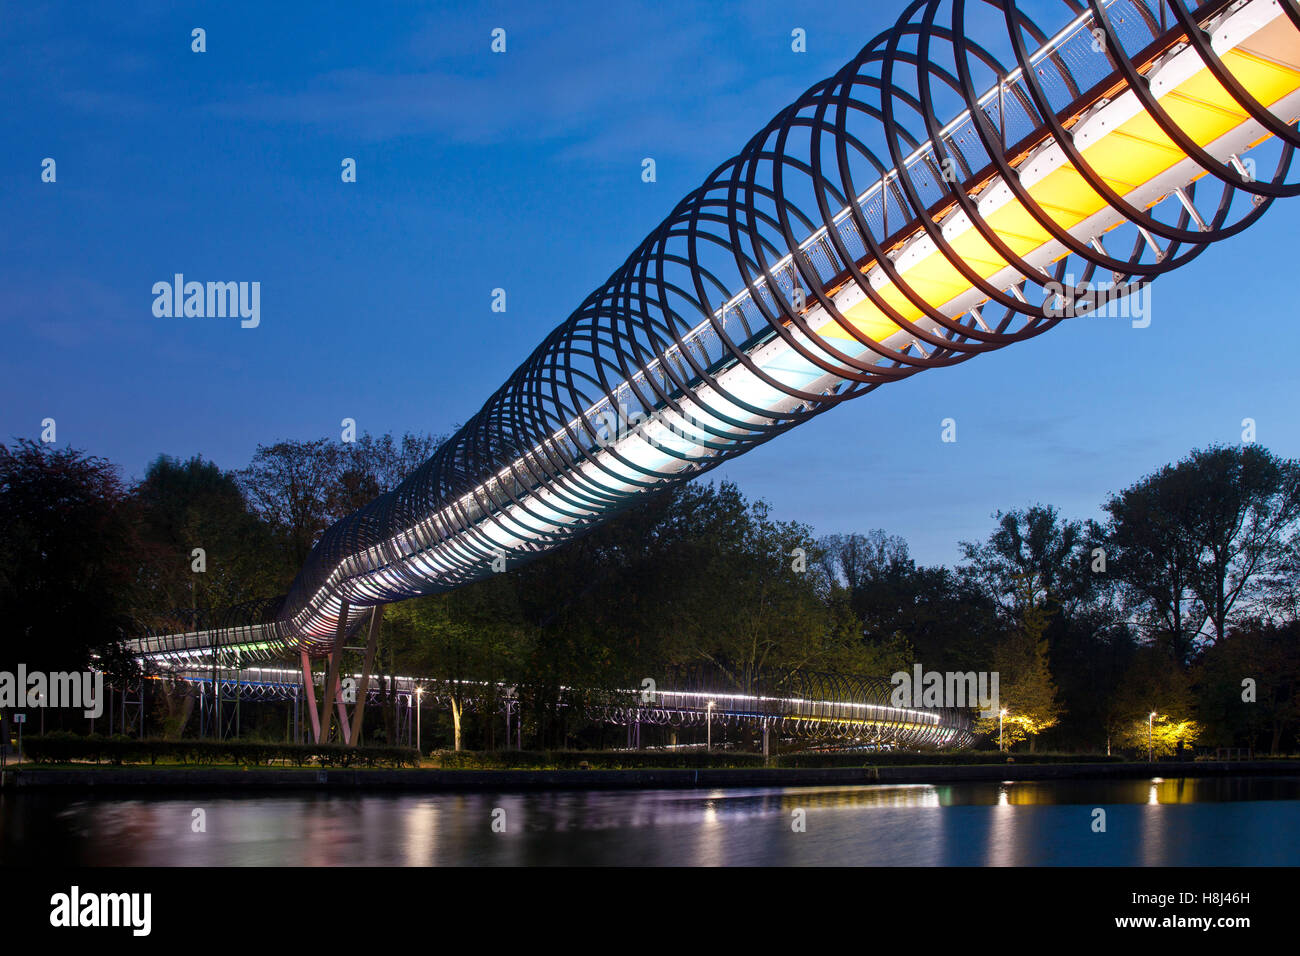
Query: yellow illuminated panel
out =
(1133, 153)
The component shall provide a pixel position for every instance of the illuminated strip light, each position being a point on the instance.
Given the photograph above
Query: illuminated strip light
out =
(243, 637)
(798, 701)
(1113, 139)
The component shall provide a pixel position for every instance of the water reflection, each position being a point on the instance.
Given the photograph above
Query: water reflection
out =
(1151, 822)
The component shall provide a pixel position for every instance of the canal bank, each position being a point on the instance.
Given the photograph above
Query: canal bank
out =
(35, 779)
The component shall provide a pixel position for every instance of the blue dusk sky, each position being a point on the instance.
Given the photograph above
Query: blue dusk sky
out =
(522, 171)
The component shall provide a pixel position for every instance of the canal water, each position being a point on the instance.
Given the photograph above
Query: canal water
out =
(1171, 822)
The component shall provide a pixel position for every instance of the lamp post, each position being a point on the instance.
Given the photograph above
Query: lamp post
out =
(419, 697)
(709, 728)
(1151, 721)
(1001, 713)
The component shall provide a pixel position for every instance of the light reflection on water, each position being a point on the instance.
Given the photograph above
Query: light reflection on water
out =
(1170, 822)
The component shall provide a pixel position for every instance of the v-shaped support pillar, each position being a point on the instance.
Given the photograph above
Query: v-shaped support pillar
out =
(359, 709)
(332, 703)
(332, 684)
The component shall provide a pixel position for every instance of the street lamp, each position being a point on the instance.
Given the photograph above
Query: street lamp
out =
(1001, 713)
(709, 726)
(1151, 722)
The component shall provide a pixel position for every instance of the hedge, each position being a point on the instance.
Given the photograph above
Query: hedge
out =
(591, 759)
(699, 759)
(63, 747)
(901, 758)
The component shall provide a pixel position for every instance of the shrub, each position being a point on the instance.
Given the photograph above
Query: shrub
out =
(63, 747)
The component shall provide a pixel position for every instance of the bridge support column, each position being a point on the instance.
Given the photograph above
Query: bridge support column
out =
(310, 687)
(332, 680)
(134, 717)
(359, 708)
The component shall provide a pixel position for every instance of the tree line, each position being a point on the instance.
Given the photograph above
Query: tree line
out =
(1172, 619)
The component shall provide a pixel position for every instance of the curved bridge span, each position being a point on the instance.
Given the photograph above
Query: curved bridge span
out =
(818, 708)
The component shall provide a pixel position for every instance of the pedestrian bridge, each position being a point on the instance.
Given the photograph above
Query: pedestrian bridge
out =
(832, 709)
(856, 240)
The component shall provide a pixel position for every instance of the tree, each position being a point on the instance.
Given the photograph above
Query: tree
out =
(1244, 502)
(774, 619)
(1248, 686)
(750, 596)
(1153, 556)
(943, 619)
(371, 466)
(1280, 599)
(466, 638)
(1156, 685)
(1026, 690)
(303, 487)
(848, 649)
(863, 562)
(1035, 567)
(194, 504)
(68, 557)
(1090, 652)
(291, 484)
(1033, 558)
(1204, 540)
